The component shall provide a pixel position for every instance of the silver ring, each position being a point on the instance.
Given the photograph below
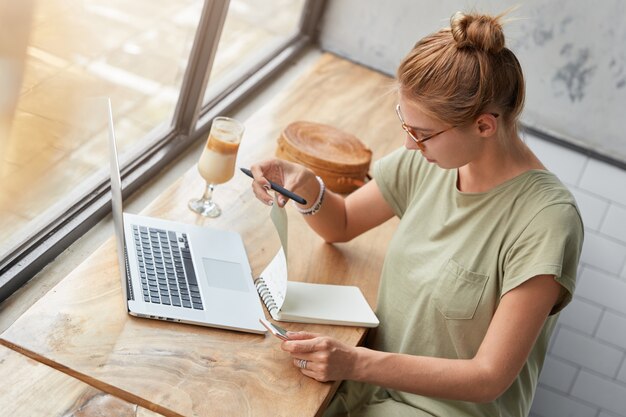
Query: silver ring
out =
(302, 363)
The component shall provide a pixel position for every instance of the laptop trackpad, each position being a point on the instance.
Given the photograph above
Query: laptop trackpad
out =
(224, 274)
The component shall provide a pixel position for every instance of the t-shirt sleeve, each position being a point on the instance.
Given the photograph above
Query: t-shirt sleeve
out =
(549, 245)
(396, 177)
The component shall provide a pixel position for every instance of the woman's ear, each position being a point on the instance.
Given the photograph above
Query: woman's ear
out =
(486, 125)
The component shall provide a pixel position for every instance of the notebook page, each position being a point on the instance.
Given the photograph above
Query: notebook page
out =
(275, 274)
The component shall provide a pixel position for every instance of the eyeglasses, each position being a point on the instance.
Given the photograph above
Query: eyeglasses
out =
(420, 142)
(408, 129)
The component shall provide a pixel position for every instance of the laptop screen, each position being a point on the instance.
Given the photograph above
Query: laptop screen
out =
(116, 200)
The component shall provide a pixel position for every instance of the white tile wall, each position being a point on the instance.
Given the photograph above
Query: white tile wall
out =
(614, 224)
(603, 288)
(576, 347)
(581, 315)
(610, 394)
(552, 404)
(622, 373)
(603, 252)
(621, 376)
(611, 321)
(605, 180)
(585, 370)
(568, 165)
(592, 208)
(608, 414)
(558, 374)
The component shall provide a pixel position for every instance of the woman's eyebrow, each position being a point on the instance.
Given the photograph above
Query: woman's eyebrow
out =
(421, 129)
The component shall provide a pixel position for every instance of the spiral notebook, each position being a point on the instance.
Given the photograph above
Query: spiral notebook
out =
(303, 302)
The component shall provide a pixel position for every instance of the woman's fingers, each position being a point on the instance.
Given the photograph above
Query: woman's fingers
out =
(327, 359)
(305, 344)
(261, 184)
(261, 192)
(283, 173)
(302, 335)
(313, 367)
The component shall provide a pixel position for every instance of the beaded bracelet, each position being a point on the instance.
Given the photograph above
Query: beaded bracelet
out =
(318, 203)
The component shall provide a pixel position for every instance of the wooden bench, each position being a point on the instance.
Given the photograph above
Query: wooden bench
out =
(81, 326)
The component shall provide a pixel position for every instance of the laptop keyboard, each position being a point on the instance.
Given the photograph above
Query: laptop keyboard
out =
(166, 269)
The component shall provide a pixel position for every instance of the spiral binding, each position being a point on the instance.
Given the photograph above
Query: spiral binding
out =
(265, 295)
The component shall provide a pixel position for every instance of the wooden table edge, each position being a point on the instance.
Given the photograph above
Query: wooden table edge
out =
(93, 382)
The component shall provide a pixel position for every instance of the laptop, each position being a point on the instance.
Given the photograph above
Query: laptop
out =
(179, 272)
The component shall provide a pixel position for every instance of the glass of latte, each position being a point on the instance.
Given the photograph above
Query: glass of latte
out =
(217, 162)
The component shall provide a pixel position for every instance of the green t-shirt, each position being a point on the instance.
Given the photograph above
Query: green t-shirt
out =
(451, 259)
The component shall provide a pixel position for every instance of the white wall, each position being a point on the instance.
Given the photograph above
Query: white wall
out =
(573, 53)
(575, 88)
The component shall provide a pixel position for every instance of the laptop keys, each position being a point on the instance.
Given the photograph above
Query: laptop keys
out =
(194, 290)
(166, 269)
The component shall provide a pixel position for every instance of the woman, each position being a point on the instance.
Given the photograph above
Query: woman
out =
(485, 253)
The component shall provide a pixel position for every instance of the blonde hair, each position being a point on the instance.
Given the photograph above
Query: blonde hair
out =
(465, 70)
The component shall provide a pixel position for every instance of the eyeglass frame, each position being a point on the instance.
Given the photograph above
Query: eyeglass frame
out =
(420, 142)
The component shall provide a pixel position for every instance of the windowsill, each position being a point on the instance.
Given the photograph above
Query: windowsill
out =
(54, 272)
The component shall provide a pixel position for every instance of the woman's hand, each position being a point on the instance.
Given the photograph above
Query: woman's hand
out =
(338, 219)
(327, 359)
(293, 177)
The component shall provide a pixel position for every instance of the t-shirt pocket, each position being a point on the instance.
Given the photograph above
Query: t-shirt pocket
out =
(458, 291)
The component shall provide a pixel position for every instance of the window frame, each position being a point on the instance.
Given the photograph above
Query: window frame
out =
(191, 121)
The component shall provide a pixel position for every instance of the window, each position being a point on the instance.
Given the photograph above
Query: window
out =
(253, 31)
(141, 54)
(134, 52)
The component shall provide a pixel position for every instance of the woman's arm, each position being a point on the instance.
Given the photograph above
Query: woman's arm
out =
(339, 219)
(511, 335)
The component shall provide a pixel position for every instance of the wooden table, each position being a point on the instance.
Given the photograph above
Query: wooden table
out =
(81, 326)
(29, 388)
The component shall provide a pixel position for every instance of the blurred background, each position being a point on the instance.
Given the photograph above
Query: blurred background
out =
(58, 53)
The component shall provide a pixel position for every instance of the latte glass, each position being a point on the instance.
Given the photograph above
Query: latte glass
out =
(217, 162)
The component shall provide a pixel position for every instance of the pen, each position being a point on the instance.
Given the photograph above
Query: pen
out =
(278, 188)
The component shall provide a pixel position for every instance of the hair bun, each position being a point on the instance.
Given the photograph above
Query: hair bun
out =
(479, 31)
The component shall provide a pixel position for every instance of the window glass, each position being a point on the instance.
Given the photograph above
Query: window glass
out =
(253, 30)
(134, 52)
